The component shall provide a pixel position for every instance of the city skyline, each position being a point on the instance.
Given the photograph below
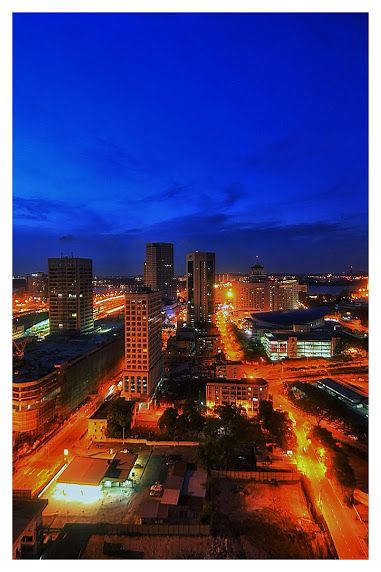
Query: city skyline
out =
(249, 138)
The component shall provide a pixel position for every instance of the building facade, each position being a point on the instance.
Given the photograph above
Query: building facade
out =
(70, 295)
(265, 294)
(143, 345)
(158, 268)
(200, 287)
(54, 378)
(37, 284)
(27, 526)
(98, 421)
(279, 345)
(251, 296)
(246, 393)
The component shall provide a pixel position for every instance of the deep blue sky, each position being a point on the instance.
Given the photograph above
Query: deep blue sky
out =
(243, 134)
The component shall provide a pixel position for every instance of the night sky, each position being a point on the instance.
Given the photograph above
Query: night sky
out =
(242, 134)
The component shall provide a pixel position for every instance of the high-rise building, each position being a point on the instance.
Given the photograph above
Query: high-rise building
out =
(200, 272)
(158, 268)
(70, 295)
(263, 293)
(257, 273)
(37, 284)
(283, 294)
(251, 296)
(143, 346)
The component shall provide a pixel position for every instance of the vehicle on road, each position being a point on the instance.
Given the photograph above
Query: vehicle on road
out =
(156, 490)
(138, 466)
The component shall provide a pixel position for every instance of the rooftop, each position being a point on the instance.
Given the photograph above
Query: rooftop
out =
(243, 381)
(120, 467)
(170, 496)
(41, 357)
(84, 471)
(23, 512)
(101, 412)
(195, 483)
(174, 482)
(153, 509)
(323, 335)
(290, 317)
(342, 389)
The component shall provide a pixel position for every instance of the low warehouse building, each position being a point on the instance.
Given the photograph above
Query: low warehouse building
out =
(85, 477)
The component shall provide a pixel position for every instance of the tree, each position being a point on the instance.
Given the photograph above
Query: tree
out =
(278, 424)
(320, 404)
(118, 416)
(191, 421)
(168, 421)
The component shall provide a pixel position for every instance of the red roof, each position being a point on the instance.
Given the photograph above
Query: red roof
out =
(84, 471)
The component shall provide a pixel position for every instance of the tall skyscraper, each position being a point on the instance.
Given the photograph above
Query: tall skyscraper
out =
(158, 268)
(143, 353)
(200, 273)
(70, 295)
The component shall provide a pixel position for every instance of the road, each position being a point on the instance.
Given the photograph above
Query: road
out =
(35, 469)
(340, 519)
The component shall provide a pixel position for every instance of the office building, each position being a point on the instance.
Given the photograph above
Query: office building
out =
(70, 295)
(143, 345)
(246, 393)
(158, 268)
(54, 376)
(200, 287)
(37, 284)
(283, 294)
(263, 293)
(312, 344)
(251, 296)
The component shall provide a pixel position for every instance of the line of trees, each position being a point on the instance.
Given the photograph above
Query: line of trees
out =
(339, 462)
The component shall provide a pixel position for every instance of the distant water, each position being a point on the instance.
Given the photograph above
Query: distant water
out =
(329, 289)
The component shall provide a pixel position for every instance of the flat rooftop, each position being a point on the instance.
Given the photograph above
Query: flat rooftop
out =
(243, 381)
(195, 483)
(84, 471)
(101, 412)
(323, 335)
(342, 389)
(40, 357)
(120, 467)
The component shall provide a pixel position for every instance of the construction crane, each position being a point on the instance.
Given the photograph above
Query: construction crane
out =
(19, 346)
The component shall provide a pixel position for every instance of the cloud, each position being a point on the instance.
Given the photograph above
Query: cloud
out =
(66, 238)
(174, 191)
(57, 214)
(35, 209)
(233, 193)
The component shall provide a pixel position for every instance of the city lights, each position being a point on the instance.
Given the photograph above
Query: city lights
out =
(190, 292)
